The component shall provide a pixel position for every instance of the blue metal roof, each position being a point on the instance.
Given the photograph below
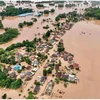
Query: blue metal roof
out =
(25, 14)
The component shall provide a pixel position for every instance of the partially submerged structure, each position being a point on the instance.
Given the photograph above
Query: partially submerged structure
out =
(49, 87)
(36, 89)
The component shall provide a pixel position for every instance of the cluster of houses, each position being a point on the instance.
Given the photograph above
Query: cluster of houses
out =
(25, 74)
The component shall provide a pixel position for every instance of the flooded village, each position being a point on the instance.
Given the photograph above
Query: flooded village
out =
(54, 55)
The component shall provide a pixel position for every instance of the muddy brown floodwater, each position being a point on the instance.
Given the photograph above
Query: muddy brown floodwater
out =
(29, 32)
(85, 47)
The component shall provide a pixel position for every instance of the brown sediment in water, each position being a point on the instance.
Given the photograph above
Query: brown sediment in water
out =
(85, 47)
(86, 50)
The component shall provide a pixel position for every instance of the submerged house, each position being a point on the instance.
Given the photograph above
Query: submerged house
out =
(35, 63)
(38, 14)
(43, 79)
(76, 66)
(40, 47)
(72, 78)
(18, 56)
(29, 74)
(22, 75)
(28, 67)
(36, 89)
(12, 75)
(28, 78)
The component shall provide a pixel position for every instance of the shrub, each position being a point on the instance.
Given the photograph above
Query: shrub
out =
(52, 10)
(44, 72)
(49, 71)
(60, 49)
(20, 25)
(46, 11)
(57, 80)
(19, 70)
(65, 85)
(4, 96)
(37, 83)
(46, 27)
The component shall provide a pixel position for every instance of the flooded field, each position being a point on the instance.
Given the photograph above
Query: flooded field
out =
(31, 31)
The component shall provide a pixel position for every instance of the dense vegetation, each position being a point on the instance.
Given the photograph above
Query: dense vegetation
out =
(21, 25)
(7, 57)
(60, 16)
(47, 34)
(2, 3)
(60, 47)
(7, 82)
(25, 43)
(1, 25)
(12, 11)
(70, 5)
(71, 16)
(8, 35)
(92, 12)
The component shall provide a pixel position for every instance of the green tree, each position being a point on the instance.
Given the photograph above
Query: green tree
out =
(44, 72)
(4, 96)
(2, 75)
(2, 3)
(49, 71)
(52, 10)
(60, 49)
(1, 25)
(46, 11)
(20, 25)
(37, 83)
(57, 80)
(30, 96)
